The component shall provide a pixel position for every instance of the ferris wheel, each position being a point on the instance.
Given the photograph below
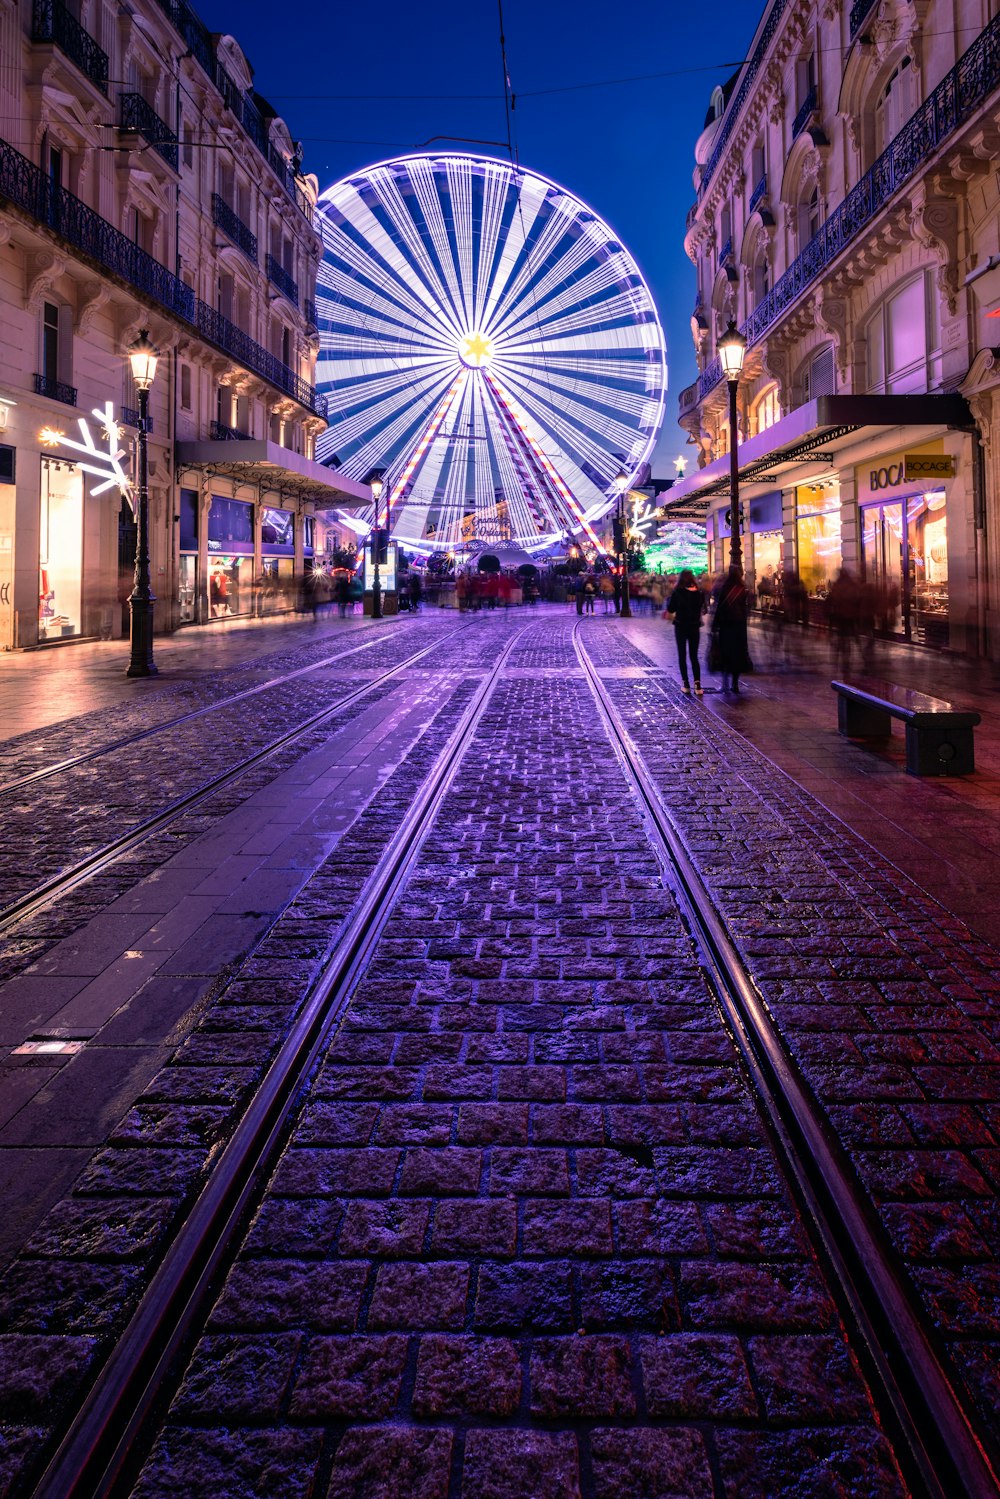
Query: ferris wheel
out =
(488, 342)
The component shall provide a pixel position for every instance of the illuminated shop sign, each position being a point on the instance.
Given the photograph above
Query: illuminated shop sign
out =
(925, 466)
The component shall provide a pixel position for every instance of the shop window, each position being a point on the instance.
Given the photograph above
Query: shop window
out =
(818, 536)
(8, 464)
(766, 410)
(903, 341)
(60, 551)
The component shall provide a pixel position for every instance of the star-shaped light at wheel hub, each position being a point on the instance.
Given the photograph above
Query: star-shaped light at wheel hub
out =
(475, 350)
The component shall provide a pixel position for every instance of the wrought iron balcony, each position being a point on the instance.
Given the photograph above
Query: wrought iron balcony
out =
(139, 118)
(726, 253)
(808, 108)
(55, 390)
(28, 188)
(219, 432)
(952, 104)
(52, 22)
(757, 193)
(234, 227)
(860, 12)
(280, 278)
(130, 418)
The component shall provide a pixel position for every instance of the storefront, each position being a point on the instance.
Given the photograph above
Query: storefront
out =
(767, 546)
(904, 541)
(818, 546)
(60, 551)
(188, 572)
(277, 560)
(230, 557)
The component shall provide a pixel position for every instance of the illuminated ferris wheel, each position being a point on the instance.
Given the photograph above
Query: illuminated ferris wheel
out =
(488, 342)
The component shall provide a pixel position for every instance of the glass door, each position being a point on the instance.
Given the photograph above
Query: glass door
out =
(882, 548)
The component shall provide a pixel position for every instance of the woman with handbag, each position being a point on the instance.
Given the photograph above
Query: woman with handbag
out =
(685, 607)
(729, 629)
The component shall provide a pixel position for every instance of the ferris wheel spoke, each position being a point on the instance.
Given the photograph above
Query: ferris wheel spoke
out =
(536, 251)
(406, 419)
(351, 294)
(371, 269)
(604, 409)
(591, 449)
(442, 259)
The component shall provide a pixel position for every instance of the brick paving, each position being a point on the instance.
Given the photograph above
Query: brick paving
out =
(527, 1236)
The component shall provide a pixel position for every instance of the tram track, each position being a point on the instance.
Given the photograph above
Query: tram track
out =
(97, 1455)
(58, 767)
(918, 1397)
(52, 889)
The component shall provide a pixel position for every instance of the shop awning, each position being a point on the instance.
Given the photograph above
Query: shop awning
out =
(277, 469)
(809, 438)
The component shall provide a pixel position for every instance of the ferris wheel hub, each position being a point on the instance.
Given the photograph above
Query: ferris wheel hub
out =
(475, 350)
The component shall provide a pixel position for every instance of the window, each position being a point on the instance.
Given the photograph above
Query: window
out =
(758, 165)
(895, 105)
(50, 341)
(819, 378)
(903, 341)
(766, 410)
(226, 291)
(761, 280)
(805, 80)
(188, 146)
(718, 104)
(186, 387)
(286, 346)
(808, 216)
(725, 228)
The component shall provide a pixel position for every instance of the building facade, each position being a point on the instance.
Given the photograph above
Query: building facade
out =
(847, 218)
(144, 184)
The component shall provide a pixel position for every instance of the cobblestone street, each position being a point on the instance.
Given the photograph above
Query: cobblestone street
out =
(529, 1229)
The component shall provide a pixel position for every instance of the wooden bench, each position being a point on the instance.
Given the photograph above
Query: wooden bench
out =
(938, 735)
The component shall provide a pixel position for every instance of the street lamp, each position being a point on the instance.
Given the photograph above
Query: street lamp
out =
(142, 356)
(732, 348)
(621, 485)
(376, 482)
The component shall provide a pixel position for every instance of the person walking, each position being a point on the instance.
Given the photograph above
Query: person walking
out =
(685, 608)
(729, 627)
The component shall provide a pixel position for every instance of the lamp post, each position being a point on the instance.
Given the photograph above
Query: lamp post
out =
(732, 348)
(621, 485)
(376, 481)
(142, 357)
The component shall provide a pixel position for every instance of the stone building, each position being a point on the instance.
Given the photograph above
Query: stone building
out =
(145, 184)
(847, 217)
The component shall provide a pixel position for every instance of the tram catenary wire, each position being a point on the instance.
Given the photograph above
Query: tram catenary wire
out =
(115, 745)
(920, 1403)
(61, 884)
(98, 1454)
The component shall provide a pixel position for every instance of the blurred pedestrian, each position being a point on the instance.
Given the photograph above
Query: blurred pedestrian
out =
(842, 613)
(729, 629)
(685, 608)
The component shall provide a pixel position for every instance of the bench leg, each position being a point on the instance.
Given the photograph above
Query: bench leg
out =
(939, 752)
(862, 720)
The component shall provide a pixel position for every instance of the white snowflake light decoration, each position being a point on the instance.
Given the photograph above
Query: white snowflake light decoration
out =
(105, 464)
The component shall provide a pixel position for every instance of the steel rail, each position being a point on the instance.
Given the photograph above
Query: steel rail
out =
(98, 1453)
(945, 1452)
(169, 723)
(60, 884)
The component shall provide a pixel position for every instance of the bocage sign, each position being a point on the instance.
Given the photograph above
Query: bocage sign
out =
(904, 468)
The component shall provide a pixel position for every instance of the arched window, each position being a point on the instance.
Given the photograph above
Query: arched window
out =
(718, 104)
(761, 278)
(765, 411)
(903, 340)
(808, 218)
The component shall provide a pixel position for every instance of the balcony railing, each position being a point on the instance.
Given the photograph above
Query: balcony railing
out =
(960, 93)
(55, 390)
(757, 193)
(52, 22)
(139, 118)
(738, 100)
(202, 47)
(219, 432)
(860, 11)
(726, 253)
(130, 418)
(29, 189)
(280, 278)
(808, 108)
(234, 227)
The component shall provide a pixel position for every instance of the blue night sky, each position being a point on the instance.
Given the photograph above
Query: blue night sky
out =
(340, 75)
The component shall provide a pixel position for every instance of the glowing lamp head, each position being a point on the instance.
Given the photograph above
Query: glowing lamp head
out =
(376, 483)
(475, 350)
(621, 482)
(50, 437)
(142, 356)
(732, 348)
